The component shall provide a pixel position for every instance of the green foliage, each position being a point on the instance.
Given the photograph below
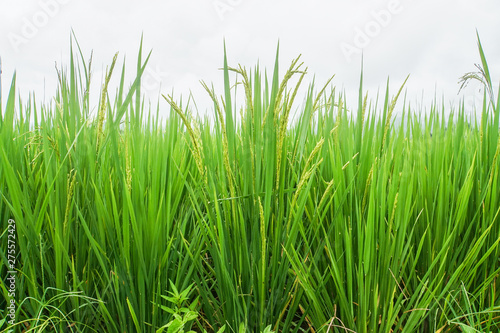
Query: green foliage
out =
(340, 221)
(182, 315)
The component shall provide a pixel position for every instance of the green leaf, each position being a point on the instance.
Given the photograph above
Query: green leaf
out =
(467, 329)
(134, 317)
(175, 326)
(190, 315)
(267, 329)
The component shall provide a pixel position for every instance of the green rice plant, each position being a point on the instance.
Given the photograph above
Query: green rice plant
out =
(403, 227)
(338, 220)
(91, 215)
(467, 316)
(49, 316)
(244, 281)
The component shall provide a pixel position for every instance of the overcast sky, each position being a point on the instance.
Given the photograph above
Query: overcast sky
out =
(433, 41)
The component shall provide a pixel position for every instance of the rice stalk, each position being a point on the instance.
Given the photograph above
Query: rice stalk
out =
(101, 115)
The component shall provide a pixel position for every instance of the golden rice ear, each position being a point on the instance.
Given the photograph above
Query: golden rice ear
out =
(225, 142)
(128, 162)
(102, 109)
(390, 111)
(195, 137)
(71, 187)
(282, 120)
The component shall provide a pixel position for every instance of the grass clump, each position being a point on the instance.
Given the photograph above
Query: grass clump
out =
(333, 223)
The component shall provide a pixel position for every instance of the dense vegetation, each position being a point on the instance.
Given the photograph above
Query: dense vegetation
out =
(337, 222)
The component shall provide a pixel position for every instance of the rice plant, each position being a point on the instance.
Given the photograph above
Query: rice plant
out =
(247, 221)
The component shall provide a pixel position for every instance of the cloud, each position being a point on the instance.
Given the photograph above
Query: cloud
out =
(433, 41)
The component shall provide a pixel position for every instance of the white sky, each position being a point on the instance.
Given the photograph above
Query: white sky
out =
(433, 41)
